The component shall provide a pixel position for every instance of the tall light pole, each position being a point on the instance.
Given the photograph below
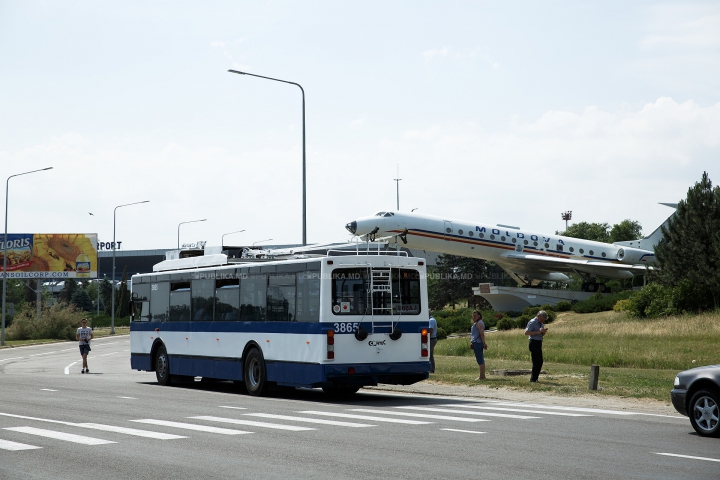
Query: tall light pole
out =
(112, 303)
(566, 216)
(182, 223)
(260, 241)
(397, 182)
(222, 241)
(304, 211)
(4, 290)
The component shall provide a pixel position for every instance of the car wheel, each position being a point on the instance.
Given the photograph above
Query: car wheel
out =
(255, 377)
(704, 413)
(162, 366)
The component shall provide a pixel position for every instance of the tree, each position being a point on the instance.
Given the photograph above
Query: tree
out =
(588, 231)
(690, 251)
(626, 230)
(123, 298)
(106, 294)
(68, 290)
(82, 300)
(453, 278)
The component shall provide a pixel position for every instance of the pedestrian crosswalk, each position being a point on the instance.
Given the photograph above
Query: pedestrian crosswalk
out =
(234, 420)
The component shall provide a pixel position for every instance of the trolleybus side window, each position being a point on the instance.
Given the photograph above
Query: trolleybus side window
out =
(180, 301)
(227, 300)
(203, 293)
(141, 301)
(308, 297)
(406, 292)
(253, 297)
(281, 297)
(159, 301)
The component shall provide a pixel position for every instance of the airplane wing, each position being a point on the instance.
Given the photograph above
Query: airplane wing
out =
(528, 262)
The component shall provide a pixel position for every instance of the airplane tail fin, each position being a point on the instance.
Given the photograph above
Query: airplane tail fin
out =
(649, 242)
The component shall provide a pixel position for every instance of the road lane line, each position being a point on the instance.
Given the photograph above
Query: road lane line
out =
(688, 456)
(565, 414)
(191, 426)
(129, 398)
(319, 421)
(422, 415)
(253, 424)
(14, 446)
(366, 417)
(68, 349)
(13, 358)
(67, 369)
(461, 431)
(131, 431)
(107, 354)
(571, 409)
(39, 354)
(48, 390)
(68, 437)
(464, 412)
(234, 408)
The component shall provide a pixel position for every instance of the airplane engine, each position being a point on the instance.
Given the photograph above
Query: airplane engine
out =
(634, 256)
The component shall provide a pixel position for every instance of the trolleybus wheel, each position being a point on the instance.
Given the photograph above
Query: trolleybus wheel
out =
(162, 366)
(255, 378)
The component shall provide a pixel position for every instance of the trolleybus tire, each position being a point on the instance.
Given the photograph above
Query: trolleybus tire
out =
(162, 366)
(254, 373)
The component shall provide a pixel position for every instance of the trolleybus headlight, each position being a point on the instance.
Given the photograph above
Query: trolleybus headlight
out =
(396, 334)
(361, 334)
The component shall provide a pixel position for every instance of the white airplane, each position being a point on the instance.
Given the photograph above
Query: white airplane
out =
(528, 257)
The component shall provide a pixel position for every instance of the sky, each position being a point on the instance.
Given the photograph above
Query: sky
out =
(488, 111)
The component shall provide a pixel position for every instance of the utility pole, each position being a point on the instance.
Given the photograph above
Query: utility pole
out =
(397, 183)
(566, 216)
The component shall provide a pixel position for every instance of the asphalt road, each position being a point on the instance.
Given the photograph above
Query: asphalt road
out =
(117, 423)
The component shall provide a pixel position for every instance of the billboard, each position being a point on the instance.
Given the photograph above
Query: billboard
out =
(50, 255)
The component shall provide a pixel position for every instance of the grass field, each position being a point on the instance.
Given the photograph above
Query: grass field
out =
(637, 358)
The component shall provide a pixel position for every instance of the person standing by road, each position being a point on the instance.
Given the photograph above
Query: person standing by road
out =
(477, 341)
(433, 341)
(84, 335)
(536, 330)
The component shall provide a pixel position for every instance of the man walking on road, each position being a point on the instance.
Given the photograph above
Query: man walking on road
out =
(536, 331)
(433, 341)
(84, 335)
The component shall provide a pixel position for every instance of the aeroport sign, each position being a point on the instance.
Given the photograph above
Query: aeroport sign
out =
(108, 246)
(49, 255)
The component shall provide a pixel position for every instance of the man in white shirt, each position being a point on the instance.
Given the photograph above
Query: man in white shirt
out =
(84, 335)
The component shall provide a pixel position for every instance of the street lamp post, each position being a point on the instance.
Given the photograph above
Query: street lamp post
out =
(260, 241)
(4, 289)
(181, 223)
(304, 211)
(397, 187)
(112, 303)
(222, 241)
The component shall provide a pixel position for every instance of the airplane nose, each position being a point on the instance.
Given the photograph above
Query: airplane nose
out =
(351, 227)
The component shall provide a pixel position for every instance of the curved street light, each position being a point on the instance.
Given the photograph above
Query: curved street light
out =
(4, 289)
(183, 223)
(304, 211)
(260, 241)
(112, 302)
(222, 241)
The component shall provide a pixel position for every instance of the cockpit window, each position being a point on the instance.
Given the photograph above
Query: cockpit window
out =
(380, 214)
(388, 214)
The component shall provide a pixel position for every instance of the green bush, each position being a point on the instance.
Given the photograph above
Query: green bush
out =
(57, 322)
(441, 334)
(563, 306)
(600, 302)
(506, 323)
(656, 300)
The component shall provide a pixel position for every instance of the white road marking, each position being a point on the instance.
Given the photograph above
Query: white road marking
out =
(131, 431)
(253, 424)
(39, 354)
(192, 426)
(571, 409)
(319, 421)
(365, 417)
(68, 349)
(48, 390)
(234, 408)
(103, 344)
(422, 415)
(521, 410)
(67, 369)
(107, 354)
(464, 412)
(688, 456)
(68, 437)
(13, 358)
(129, 398)
(461, 431)
(14, 446)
